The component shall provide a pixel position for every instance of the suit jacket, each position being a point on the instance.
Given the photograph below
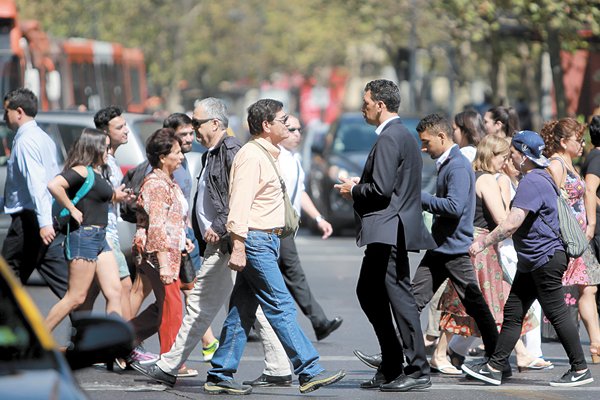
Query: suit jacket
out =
(387, 201)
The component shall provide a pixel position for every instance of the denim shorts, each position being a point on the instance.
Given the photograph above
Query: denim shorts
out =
(87, 243)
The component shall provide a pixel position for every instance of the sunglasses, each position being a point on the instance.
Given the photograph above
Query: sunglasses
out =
(197, 123)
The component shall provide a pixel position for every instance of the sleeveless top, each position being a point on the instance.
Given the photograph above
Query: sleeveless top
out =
(483, 217)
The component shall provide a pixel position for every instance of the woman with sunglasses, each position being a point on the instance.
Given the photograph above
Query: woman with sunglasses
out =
(564, 142)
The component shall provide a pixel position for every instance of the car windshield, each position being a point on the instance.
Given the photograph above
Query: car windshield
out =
(354, 136)
(18, 342)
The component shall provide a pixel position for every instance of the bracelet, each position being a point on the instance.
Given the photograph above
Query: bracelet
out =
(319, 218)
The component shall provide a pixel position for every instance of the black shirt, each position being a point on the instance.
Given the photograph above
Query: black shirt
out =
(592, 166)
(94, 205)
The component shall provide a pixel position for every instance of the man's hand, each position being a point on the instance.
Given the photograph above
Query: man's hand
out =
(346, 186)
(237, 261)
(211, 236)
(326, 228)
(47, 234)
(123, 195)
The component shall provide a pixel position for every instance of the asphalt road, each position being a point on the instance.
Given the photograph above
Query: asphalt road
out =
(332, 268)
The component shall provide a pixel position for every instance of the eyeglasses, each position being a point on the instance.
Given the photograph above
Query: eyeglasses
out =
(580, 141)
(299, 130)
(282, 120)
(197, 123)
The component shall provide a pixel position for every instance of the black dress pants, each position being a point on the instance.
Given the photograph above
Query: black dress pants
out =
(24, 251)
(384, 293)
(295, 280)
(432, 272)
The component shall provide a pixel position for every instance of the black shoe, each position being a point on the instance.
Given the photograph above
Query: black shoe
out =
(329, 327)
(269, 380)
(373, 361)
(572, 378)
(405, 383)
(456, 359)
(153, 371)
(375, 382)
(483, 372)
(323, 379)
(219, 386)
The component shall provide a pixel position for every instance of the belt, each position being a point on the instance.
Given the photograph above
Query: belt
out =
(274, 231)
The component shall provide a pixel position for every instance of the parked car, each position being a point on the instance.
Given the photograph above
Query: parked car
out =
(64, 127)
(31, 365)
(342, 152)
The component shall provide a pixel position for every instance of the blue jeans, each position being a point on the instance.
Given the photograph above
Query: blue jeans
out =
(86, 242)
(261, 283)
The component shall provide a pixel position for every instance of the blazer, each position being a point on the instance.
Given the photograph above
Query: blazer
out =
(387, 201)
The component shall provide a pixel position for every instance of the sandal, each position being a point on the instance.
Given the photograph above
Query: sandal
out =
(455, 359)
(185, 372)
(536, 364)
(446, 369)
(595, 352)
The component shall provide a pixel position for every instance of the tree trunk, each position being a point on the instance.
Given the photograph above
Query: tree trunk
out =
(557, 73)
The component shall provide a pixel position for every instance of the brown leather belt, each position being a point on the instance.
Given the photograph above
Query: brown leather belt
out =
(274, 231)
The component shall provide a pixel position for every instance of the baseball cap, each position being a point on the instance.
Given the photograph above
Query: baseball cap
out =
(531, 145)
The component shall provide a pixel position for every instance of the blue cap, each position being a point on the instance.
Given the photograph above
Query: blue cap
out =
(531, 145)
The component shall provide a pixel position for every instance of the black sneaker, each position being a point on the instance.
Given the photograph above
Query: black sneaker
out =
(154, 372)
(572, 378)
(483, 372)
(323, 379)
(219, 386)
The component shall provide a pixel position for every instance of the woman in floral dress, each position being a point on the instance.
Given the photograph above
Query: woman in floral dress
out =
(564, 141)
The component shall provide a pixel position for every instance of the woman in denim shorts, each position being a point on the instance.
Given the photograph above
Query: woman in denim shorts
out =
(86, 248)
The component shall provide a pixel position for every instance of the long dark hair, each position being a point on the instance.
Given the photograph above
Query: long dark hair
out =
(509, 118)
(471, 126)
(88, 150)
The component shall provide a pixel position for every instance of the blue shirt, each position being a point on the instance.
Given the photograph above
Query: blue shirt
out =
(31, 165)
(535, 242)
(183, 178)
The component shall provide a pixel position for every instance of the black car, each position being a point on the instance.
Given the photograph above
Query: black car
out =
(342, 152)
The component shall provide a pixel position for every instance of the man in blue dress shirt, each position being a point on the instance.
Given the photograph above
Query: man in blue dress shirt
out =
(31, 241)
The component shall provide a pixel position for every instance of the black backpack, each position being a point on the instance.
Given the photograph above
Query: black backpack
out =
(133, 180)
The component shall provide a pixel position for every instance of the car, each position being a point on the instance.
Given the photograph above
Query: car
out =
(342, 152)
(64, 127)
(31, 364)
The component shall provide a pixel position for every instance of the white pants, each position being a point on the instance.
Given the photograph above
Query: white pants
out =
(276, 360)
(212, 288)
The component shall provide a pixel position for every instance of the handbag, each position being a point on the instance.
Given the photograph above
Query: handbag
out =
(61, 218)
(187, 273)
(292, 219)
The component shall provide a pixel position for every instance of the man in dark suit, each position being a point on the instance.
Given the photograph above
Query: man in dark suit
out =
(389, 222)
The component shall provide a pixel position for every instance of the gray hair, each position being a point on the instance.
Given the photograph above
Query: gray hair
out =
(214, 108)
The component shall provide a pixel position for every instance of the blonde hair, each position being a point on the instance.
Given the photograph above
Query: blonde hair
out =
(489, 147)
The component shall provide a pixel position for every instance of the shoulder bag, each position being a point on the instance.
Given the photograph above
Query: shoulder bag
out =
(291, 216)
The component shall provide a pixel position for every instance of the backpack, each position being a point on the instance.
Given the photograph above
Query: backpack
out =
(133, 180)
(61, 217)
(571, 235)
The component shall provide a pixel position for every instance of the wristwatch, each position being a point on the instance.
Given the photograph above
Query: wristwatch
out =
(319, 218)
